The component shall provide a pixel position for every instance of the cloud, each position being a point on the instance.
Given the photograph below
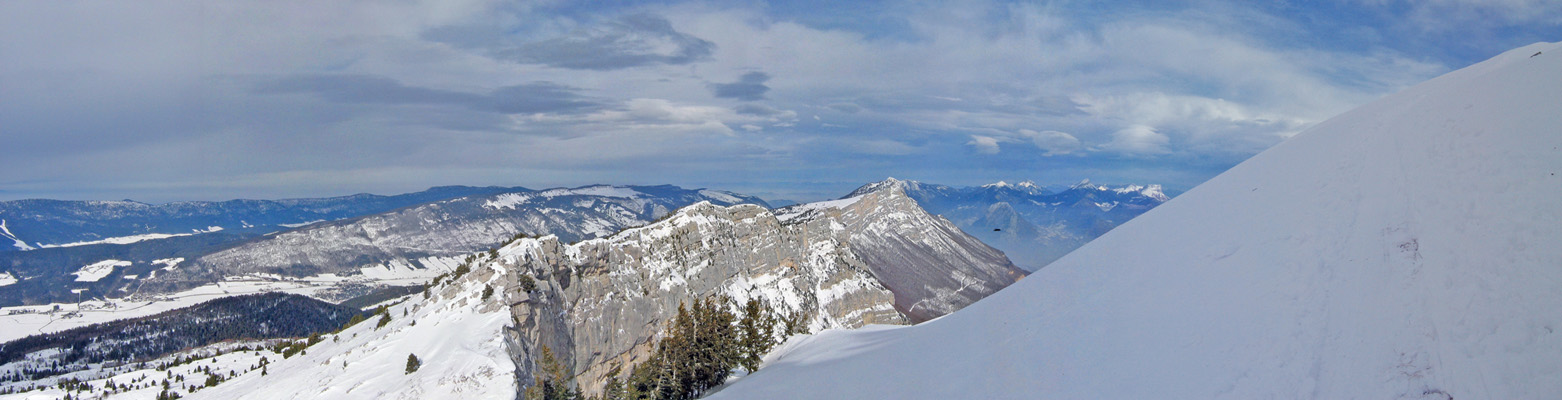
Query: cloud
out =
(1052, 142)
(884, 147)
(776, 117)
(1138, 140)
(848, 108)
(1200, 125)
(750, 87)
(630, 41)
(643, 117)
(535, 97)
(1487, 12)
(984, 144)
(758, 109)
(609, 91)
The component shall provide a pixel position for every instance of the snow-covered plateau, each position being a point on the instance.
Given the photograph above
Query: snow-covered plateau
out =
(22, 321)
(1402, 250)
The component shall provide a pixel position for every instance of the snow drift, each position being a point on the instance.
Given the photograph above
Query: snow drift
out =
(1404, 250)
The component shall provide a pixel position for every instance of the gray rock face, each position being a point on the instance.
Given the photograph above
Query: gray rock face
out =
(932, 266)
(447, 228)
(875, 259)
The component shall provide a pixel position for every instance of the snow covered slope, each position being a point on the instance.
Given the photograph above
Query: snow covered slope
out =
(456, 334)
(1403, 250)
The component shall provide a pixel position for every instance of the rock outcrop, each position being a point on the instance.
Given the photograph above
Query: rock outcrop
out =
(876, 258)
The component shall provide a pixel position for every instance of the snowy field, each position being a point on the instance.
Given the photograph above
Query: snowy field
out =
(96, 271)
(133, 238)
(21, 321)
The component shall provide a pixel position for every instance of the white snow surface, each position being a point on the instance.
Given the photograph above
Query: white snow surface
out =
(788, 213)
(1403, 250)
(143, 383)
(5, 231)
(459, 340)
(6, 279)
(20, 321)
(134, 238)
(169, 263)
(95, 271)
(305, 223)
(513, 200)
(720, 195)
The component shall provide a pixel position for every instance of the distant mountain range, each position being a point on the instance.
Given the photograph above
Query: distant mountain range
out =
(412, 237)
(137, 249)
(1031, 224)
(30, 224)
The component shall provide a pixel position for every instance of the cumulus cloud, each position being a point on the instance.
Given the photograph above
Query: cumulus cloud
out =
(630, 41)
(984, 144)
(750, 87)
(1138, 140)
(1052, 142)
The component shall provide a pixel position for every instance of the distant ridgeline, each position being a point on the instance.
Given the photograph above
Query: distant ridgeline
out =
(244, 237)
(39, 223)
(259, 316)
(1031, 224)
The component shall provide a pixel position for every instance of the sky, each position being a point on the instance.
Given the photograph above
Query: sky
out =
(195, 100)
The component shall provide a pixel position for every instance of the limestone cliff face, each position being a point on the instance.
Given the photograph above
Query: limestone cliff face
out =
(876, 258)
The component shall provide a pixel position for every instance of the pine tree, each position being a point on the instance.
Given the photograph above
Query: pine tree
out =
(551, 380)
(613, 389)
(699, 352)
(413, 363)
(757, 330)
(528, 284)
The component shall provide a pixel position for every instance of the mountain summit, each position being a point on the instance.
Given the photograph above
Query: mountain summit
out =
(1335, 265)
(1031, 225)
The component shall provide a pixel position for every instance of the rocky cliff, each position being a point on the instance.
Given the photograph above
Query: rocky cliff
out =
(876, 258)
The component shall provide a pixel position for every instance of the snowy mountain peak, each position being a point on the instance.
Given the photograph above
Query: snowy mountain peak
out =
(898, 185)
(999, 184)
(1154, 191)
(1083, 184)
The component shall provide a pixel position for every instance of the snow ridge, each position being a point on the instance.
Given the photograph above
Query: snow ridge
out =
(20, 245)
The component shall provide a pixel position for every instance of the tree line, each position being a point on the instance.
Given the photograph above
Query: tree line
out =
(703, 344)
